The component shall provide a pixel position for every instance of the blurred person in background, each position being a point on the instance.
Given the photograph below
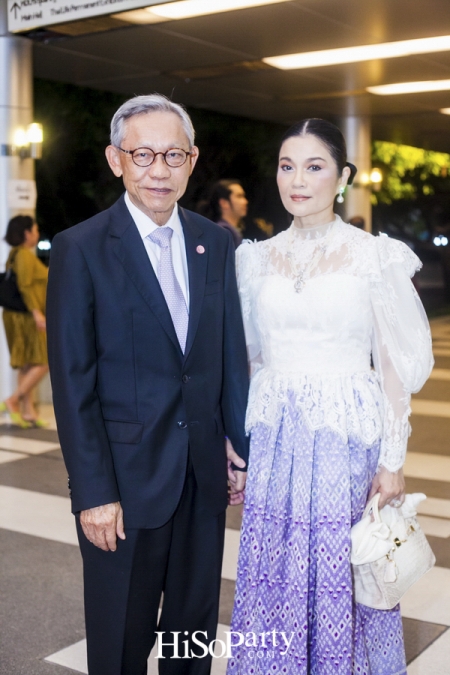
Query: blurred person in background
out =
(229, 206)
(26, 331)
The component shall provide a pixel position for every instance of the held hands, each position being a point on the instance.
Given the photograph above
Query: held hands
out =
(236, 479)
(102, 525)
(391, 487)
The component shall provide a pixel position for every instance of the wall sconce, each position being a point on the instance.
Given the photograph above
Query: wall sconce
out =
(376, 178)
(371, 180)
(27, 143)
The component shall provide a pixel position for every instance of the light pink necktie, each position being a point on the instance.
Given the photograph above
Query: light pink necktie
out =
(169, 284)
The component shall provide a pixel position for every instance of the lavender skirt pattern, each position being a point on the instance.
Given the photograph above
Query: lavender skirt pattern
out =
(304, 491)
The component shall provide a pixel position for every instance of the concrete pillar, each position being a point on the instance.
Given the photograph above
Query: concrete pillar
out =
(16, 110)
(357, 133)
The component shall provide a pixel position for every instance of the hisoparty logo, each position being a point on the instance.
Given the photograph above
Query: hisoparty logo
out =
(259, 644)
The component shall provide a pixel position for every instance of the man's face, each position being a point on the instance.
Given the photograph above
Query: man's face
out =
(156, 188)
(238, 201)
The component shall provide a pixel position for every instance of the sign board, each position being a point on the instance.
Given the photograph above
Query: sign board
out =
(22, 194)
(25, 15)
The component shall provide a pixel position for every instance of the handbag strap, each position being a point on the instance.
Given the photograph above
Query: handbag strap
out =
(10, 263)
(373, 506)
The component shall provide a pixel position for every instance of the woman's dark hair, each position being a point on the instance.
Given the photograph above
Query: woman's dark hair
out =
(330, 136)
(17, 226)
(220, 190)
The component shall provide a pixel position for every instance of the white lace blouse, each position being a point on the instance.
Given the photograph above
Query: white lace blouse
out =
(315, 344)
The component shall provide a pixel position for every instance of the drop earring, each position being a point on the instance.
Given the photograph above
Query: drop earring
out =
(340, 197)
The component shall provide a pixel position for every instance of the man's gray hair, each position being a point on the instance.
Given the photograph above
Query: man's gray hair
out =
(141, 105)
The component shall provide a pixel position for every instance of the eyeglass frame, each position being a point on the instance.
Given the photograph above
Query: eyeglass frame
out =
(143, 147)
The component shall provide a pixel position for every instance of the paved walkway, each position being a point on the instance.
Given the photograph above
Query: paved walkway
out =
(41, 613)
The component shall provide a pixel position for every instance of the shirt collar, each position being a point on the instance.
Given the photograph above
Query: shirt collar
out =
(146, 225)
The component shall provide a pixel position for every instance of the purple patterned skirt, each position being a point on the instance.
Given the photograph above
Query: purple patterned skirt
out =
(304, 492)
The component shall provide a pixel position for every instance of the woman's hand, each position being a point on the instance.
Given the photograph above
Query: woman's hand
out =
(39, 320)
(391, 487)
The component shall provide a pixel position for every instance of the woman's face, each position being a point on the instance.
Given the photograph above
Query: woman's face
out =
(308, 180)
(32, 236)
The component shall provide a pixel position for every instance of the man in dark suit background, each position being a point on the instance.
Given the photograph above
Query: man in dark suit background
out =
(229, 205)
(149, 374)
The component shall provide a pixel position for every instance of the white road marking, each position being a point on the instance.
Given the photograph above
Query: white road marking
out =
(28, 445)
(37, 514)
(435, 527)
(428, 467)
(434, 660)
(7, 456)
(440, 374)
(430, 408)
(429, 599)
(230, 558)
(432, 506)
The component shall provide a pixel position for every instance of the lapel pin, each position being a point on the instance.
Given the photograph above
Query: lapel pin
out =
(200, 249)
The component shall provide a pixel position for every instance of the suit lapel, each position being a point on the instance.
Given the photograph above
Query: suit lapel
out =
(197, 268)
(130, 250)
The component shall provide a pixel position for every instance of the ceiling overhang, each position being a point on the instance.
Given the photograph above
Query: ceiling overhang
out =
(216, 62)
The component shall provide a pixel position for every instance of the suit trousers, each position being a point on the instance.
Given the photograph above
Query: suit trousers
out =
(180, 561)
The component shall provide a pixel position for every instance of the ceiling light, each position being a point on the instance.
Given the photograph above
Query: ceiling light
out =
(139, 16)
(410, 87)
(189, 8)
(445, 111)
(186, 9)
(385, 50)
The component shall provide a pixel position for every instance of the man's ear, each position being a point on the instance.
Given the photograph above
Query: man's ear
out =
(193, 158)
(224, 204)
(112, 155)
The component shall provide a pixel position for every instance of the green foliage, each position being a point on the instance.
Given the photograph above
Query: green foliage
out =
(409, 172)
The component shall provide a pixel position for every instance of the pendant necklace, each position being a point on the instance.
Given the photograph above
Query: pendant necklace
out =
(301, 276)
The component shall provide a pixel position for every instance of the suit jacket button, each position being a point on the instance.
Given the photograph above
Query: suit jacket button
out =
(185, 379)
(182, 425)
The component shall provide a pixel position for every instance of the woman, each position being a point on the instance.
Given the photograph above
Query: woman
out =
(327, 431)
(25, 331)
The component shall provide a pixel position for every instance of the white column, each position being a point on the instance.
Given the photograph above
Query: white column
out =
(357, 133)
(16, 110)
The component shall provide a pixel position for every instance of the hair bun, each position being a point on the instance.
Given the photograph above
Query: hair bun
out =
(353, 171)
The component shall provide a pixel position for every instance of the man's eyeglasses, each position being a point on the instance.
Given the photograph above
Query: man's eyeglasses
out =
(145, 156)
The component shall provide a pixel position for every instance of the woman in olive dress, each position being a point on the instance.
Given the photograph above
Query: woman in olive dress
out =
(26, 331)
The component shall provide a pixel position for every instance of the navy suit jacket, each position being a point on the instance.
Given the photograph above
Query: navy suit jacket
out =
(129, 405)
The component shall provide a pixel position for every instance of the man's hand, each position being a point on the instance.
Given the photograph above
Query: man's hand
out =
(391, 487)
(236, 479)
(103, 524)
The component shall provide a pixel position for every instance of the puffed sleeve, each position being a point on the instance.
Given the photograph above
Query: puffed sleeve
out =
(246, 270)
(401, 344)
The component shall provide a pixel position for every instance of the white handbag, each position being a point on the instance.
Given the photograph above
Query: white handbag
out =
(389, 552)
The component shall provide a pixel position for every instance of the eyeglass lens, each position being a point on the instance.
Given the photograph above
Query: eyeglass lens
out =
(173, 157)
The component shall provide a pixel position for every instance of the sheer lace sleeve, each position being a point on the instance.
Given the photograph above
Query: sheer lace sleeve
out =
(247, 272)
(401, 344)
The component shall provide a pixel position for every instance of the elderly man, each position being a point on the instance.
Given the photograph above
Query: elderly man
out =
(149, 374)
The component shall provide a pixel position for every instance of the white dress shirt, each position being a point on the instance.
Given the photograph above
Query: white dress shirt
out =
(146, 226)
